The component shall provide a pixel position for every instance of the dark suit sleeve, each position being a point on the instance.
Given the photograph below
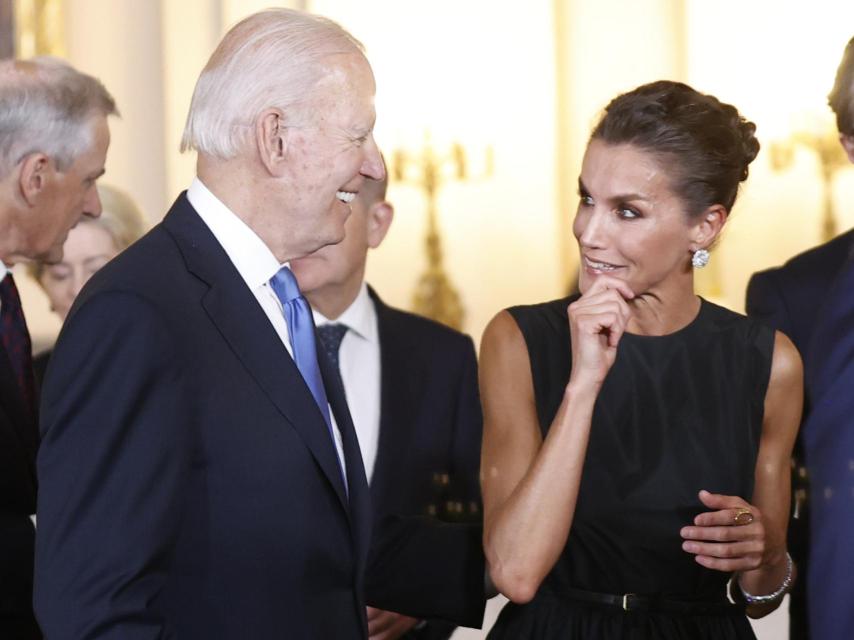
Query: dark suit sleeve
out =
(428, 569)
(17, 483)
(113, 468)
(766, 302)
(468, 432)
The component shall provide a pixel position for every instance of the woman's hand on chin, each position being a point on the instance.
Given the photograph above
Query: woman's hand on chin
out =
(597, 321)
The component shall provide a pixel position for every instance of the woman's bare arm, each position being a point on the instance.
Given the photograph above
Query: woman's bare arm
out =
(530, 485)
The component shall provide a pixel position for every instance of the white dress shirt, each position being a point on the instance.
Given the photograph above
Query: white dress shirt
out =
(255, 263)
(359, 360)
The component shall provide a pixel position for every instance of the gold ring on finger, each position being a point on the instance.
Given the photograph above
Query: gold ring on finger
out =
(742, 516)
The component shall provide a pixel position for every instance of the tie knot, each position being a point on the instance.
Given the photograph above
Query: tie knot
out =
(331, 336)
(285, 285)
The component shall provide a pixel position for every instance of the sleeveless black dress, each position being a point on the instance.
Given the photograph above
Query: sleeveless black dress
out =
(676, 414)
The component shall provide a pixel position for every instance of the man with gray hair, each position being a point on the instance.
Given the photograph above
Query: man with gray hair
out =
(199, 473)
(53, 144)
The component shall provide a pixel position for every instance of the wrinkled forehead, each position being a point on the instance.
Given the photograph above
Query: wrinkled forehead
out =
(345, 86)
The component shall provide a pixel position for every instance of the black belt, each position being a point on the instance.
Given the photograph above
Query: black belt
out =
(654, 603)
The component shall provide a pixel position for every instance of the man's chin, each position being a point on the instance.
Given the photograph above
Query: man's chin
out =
(53, 255)
(336, 236)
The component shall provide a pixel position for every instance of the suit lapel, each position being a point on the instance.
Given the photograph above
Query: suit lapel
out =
(235, 312)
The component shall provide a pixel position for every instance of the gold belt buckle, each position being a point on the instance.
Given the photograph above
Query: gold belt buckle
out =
(626, 600)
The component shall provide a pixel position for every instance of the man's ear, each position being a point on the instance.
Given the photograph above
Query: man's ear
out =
(847, 142)
(708, 228)
(33, 177)
(271, 141)
(380, 216)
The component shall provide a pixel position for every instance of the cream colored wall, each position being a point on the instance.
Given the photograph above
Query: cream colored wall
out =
(187, 51)
(776, 62)
(485, 73)
(478, 72)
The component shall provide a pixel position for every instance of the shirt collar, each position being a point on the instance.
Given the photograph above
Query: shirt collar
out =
(4, 270)
(360, 317)
(253, 259)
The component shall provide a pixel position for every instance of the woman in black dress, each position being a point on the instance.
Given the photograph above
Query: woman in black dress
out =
(636, 437)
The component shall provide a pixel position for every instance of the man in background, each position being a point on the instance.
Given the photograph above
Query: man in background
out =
(53, 145)
(411, 386)
(799, 299)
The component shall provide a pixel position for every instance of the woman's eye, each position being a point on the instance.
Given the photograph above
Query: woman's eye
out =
(628, 214)
(56, 275)
(586, 201)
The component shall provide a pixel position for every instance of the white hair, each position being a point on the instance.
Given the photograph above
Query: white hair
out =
(271, 59)
(46, 107)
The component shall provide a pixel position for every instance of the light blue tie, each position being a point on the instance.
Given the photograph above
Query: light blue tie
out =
(301, 334)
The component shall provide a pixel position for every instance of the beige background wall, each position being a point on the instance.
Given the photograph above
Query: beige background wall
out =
(525, 79)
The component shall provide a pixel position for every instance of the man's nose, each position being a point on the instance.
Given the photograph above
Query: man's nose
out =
(92, 204)
(373, 166)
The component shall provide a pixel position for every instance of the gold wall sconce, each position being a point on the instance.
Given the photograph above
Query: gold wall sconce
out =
(435, 296)
(39, 28)
(822, 140)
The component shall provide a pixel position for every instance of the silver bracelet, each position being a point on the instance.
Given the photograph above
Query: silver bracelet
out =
(781, 590)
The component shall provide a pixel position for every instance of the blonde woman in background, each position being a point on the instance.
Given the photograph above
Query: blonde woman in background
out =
(89, 246)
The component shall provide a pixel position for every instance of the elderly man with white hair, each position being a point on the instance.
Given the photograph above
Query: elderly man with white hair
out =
(53, 144)
(199, 472)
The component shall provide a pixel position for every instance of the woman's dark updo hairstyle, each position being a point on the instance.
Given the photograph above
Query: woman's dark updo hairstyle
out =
(705, 145)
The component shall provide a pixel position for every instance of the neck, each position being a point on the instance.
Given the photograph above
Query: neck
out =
(10, 236)
(9, 212)
(661, 311)
(235, 183)
(334, 299)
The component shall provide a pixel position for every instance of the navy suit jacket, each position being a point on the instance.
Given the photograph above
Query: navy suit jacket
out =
(428, 454)
(430, 419)
(790, 298)
(828, 436)
(189, 486)
(18, 442)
